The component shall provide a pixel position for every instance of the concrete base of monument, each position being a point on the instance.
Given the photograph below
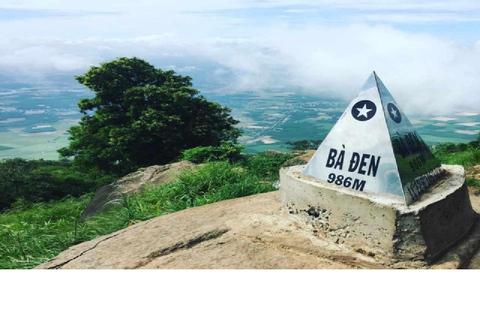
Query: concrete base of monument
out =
(377, 224)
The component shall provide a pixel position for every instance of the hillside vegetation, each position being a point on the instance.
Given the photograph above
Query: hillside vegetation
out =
(29, 181)
(32, 233)
(465, 154)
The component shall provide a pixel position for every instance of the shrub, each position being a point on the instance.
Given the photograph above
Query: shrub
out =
(225, 152)
(40, 180)
(304, 144)
(266, 165)
(465, 158)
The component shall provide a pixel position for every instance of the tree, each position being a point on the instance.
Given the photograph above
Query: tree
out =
(226, 152)
(304, 144)
(141, 116)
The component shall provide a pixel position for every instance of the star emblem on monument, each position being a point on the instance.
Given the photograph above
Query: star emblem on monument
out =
(364, 110)
(394, 113)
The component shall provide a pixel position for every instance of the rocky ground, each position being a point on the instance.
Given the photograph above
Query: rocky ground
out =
(250, 232)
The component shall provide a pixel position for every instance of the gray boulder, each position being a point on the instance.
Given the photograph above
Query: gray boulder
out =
(134, 183)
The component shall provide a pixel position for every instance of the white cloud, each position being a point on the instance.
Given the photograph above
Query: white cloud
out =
(425, 73)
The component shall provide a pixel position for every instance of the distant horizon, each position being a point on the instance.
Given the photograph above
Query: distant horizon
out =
(34, 122)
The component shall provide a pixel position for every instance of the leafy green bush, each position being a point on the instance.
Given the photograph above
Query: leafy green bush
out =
(466, 158)
(225, 152)
(40, 180)
(266, 164)
(304, 144)
(465, 154)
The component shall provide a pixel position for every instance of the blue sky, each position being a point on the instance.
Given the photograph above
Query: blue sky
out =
(457, 20)
(429, 51)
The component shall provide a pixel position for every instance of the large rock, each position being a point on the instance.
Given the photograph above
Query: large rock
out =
(134, 183)
(249, 232)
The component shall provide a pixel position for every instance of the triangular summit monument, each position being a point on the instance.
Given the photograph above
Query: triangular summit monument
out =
(374, 148)
(374, 185)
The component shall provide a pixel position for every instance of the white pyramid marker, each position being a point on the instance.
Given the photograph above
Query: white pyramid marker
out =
(374, 148)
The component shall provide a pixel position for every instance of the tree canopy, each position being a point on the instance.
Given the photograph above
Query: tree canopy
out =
(141, 116)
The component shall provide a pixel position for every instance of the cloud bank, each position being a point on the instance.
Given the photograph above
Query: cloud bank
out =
(426, 73)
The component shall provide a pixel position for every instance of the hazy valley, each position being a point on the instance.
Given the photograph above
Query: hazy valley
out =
(34, 121)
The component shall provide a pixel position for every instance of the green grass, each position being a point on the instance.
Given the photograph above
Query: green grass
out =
(465, 158)
(266, 165)
(467, 155)
(33, 234)
(213, 182)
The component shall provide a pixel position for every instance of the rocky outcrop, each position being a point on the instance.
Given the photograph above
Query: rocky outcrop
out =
(134, 183)
(250, 232)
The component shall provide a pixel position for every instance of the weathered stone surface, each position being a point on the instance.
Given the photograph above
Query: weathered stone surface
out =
(422, 231)
(250, 232)
(134, 183)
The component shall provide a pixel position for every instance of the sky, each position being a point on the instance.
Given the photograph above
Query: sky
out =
(426, 52)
